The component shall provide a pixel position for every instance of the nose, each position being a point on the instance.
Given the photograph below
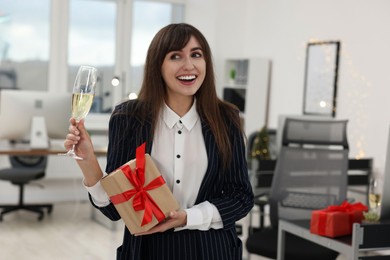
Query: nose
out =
(188, 64)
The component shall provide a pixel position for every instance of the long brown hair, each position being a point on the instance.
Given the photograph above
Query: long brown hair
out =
(210, 108)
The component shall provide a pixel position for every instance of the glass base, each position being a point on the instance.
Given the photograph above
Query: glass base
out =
(72, 154)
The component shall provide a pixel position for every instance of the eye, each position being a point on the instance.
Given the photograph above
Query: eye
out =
(175, 56)
(197, 55)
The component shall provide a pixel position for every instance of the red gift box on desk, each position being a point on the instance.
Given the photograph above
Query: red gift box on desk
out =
(337, 221)
(139, 193)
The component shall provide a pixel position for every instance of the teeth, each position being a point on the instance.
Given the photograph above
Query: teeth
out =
(187, 77)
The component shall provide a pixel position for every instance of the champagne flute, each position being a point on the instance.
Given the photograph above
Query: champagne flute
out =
(374, 197)
(82, 97)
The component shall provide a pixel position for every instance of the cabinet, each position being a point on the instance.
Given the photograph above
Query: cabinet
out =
(246, 84)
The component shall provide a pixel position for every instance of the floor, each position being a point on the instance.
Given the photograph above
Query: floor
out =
(68, 233)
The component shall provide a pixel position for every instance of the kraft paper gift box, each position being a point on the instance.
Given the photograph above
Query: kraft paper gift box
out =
(337, 221)
(139, 193)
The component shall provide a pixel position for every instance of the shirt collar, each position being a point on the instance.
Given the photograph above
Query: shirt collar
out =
(188, 120)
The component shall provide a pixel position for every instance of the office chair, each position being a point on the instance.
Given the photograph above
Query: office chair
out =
(23, 170)
(310, 173)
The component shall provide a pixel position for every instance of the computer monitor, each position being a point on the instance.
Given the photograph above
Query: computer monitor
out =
(385, 203)
(34, 116)
(235, 96)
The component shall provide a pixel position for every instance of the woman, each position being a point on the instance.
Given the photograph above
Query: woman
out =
(196, 141)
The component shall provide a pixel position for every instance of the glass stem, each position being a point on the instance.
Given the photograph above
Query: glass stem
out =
(74, 146)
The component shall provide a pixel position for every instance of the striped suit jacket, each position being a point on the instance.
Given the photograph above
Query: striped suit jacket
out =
(230, 191)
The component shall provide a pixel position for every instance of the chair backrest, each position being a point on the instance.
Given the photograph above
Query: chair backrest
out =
(311, 169)
(28, 161)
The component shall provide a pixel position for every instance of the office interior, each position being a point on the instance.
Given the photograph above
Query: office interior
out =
(274, 32)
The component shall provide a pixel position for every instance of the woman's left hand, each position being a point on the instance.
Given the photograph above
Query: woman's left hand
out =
(174, 220)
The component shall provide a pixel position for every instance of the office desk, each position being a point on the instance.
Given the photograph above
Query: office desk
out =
(365, 237)
(55, 148)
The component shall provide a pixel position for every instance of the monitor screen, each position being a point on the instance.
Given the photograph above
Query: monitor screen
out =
(235, 96)
(19, 107)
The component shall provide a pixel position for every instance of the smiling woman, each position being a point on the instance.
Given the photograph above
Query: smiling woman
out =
(196, 141)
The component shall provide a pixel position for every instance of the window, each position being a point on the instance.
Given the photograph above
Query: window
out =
(112, 35)
(92, 42)
(24, 44)
(148, 18)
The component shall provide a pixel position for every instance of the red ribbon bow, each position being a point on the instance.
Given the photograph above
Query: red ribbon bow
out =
(347, 207)
(142, 199)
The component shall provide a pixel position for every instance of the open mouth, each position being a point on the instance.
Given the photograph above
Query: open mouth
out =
(188, 78)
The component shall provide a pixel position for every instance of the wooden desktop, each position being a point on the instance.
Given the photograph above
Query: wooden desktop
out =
(23, 149)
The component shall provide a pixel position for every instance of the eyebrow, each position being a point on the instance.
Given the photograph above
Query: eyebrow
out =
(197, 48)
(193, 49)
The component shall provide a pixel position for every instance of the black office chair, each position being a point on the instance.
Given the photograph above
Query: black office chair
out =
(311, 173)
(25, 169)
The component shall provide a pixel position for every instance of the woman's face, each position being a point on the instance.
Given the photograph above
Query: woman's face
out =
(184, 71)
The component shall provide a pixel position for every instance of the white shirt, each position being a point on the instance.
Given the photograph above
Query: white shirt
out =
(182, 165)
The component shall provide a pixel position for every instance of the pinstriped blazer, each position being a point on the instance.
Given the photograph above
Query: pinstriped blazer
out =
(230, 191)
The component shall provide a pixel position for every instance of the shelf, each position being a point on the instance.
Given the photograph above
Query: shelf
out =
(240, 68)
(252, 75)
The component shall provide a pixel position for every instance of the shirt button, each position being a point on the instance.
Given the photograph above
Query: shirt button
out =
(178, 156)
(179, 132)
(177, 181)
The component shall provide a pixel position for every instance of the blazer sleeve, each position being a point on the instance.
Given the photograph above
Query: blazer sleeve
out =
(120, 151)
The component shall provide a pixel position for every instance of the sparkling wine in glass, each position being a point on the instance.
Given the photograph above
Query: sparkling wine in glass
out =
(82, 98)
(374, 198)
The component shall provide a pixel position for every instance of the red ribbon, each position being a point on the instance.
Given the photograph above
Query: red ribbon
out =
(142, 199)
(347, 207)
(344, 207)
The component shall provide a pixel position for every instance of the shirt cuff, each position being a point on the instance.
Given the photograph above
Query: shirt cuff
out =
(203, 216)
(98, 194)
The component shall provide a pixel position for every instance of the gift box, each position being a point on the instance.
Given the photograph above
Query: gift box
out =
(139, 193)
(337, 221)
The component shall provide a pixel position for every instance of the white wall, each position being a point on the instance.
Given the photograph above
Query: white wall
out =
(280, 29)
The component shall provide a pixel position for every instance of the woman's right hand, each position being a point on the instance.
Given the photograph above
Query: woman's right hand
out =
(78, 135)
